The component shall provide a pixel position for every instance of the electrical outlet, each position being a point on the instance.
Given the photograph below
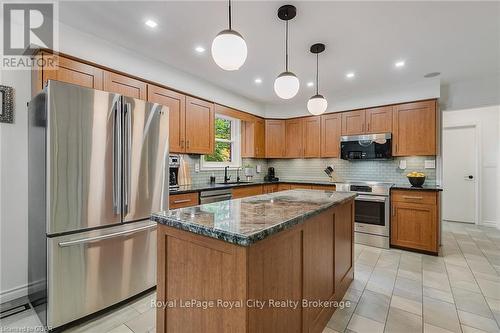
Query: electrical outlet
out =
(258, 168)
(197, 167)
(430, 164)
(402, 164)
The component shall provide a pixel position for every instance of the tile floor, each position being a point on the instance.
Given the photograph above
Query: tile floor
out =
(393, 291)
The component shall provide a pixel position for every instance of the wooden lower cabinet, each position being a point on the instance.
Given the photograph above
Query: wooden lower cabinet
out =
(183, 200)
(300, 187)
(270, 188)
(415, 220)
(312, 261)
(246, 191)
(284, 187)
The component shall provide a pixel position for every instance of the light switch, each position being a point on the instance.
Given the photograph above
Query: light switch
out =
(197, 167)
(430, 164)
(402, 164)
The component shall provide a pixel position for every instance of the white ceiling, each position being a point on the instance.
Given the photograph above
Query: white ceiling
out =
(459, 39)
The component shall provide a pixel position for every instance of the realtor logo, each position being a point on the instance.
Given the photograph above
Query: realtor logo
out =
(25, 25)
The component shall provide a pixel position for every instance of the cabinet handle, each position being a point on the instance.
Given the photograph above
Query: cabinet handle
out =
(368, 126)
(393, 211)
(187, 142)
(182, 143)
(181, 201)
(412, 198)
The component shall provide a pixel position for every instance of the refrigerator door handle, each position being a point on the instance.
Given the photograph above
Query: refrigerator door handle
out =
(98, 238)
(127, 160)
(117, 156)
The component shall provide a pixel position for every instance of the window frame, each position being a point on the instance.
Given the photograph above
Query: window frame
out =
(235, 147)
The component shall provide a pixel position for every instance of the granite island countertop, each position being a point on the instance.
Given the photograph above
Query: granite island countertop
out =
(248, 220)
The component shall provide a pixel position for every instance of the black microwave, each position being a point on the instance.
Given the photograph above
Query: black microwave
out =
(366, 147)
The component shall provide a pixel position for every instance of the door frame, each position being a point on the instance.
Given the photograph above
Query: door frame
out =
(477, 165)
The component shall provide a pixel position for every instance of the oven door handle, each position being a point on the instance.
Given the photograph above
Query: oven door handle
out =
(370, 198)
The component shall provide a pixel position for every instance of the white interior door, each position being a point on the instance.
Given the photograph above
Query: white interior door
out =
(459, 174)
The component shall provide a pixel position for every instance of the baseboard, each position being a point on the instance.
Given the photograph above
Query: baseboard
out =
(20, 291)
(489, 223)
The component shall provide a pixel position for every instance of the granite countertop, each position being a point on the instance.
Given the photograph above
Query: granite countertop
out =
(408, 186)
(208, 186)
(248, 220)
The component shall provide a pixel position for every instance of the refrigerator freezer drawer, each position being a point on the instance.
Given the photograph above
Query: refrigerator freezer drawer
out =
(90, 271)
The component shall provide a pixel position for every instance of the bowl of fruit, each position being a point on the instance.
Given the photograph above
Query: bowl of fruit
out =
(416, 179)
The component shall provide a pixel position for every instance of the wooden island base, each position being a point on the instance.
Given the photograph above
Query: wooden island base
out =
(312, 261)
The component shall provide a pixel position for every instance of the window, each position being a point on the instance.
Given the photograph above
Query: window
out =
(227, 150)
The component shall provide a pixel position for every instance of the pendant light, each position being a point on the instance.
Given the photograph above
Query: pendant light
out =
(229, 49)
(317, 104)
(286, 84)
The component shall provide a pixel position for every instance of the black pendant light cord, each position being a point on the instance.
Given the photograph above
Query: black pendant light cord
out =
(230, 15)
(317, 71)
(286, 46)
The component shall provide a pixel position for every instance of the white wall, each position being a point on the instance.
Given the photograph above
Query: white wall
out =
(487, 121)
(13, 140)
(424, 89)
(471, 93)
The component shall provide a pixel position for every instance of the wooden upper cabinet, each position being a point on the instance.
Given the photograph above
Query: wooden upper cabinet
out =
(253, 134)
(331, 128)
(312, 136)
(353, 122)
(379, 120)
(71, 71)
(124, 85)
(275, 138)
(294, 147)
(200, 126)
(176, 104)
(414, 129)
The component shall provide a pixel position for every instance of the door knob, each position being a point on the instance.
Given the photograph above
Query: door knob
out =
(471, 177)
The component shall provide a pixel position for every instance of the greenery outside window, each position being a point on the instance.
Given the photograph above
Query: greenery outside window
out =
(227, 150)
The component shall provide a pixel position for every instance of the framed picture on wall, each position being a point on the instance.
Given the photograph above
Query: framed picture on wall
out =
(7, 104)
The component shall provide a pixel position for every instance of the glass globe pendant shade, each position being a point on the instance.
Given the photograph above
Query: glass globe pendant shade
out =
(229, 50)
(286, 85)
(317, 104)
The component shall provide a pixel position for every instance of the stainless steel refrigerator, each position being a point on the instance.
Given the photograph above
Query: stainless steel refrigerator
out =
(98, 167)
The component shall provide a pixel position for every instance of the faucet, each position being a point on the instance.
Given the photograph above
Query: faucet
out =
(238, 174)
(226, 177)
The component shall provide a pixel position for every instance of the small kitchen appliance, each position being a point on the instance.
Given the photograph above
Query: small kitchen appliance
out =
(173, 178)
(271, 176)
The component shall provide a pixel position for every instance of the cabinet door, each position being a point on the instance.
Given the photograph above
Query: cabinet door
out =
(246, 191)
(176, 104)
(379, 120)
(247, 141)
(293, 138)
(414, 129)
(312, 136)
(353, 122)
(300, 187)
(260, 138)
(275, 138)
(414, 226)
(200, 126)
(124, 85)
(71, 71)
(331, 128)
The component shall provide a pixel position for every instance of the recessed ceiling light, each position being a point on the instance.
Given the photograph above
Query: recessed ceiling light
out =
(199, 49)
(349, 75)
(151, 23)
(258, 80)
(310, 84)
(432, 74)
(400, 63)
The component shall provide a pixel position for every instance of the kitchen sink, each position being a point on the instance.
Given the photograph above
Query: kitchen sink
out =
(234, 183)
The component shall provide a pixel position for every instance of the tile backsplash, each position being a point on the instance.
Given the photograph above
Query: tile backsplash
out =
(312, 169)
(383, 171)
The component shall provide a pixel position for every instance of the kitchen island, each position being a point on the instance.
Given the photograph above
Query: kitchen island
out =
(278, 262)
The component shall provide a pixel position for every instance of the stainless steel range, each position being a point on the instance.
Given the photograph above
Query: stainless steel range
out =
(372, 212)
